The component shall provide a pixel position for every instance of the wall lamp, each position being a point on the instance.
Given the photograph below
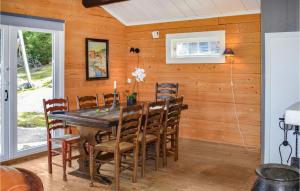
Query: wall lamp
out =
(228, 52)
(134, 50)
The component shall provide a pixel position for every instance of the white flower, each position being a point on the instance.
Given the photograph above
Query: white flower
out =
(139, 74)
(128, 80)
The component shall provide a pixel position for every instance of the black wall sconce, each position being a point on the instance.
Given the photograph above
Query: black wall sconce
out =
(134, 50)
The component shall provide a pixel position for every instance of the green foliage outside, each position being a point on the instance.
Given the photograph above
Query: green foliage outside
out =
(31, 119)
(47, 84)
(38, 46)
(39, 74)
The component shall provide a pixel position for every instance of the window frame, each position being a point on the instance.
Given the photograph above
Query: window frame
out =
(207, 36)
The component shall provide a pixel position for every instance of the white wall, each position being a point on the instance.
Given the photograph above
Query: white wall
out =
(282, 89)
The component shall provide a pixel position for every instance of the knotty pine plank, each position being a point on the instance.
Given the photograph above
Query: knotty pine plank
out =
(206, 87)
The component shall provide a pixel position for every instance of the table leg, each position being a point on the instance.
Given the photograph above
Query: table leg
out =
(87, 135)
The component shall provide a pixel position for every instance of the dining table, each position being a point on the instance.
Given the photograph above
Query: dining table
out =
(91, 123)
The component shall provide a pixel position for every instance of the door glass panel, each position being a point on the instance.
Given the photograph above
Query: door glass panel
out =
(34, 83)
(1, 91)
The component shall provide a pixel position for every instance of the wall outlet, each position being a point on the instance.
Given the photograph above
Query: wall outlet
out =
(155, 34)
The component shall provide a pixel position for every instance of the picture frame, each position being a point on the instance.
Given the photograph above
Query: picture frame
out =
(97, 59)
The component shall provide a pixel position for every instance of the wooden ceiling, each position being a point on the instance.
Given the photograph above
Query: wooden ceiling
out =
(94, 3)
(135, 12)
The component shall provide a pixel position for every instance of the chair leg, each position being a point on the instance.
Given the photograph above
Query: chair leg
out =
(91, 155)
(164, 147)
(120, 163)
(176, 148)
(157, 150)
(49, 157)
(70, 155)
(173, 141)
(117, 170)
(143, 159)
(135, 162)
(64, 160)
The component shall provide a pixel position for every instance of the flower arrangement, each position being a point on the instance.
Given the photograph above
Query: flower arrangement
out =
(139, 74)
(138, 77)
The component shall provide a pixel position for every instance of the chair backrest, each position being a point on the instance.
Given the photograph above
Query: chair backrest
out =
(173, 111)
(165, 91)
(85, 102)
(109, 98)
(54, 106)
(154, 118)
(129, 123)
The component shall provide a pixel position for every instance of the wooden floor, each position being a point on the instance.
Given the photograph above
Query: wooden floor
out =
(202, 166)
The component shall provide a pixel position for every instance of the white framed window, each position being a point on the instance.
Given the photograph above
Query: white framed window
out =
(195, 47)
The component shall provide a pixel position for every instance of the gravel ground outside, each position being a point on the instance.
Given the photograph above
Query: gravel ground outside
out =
(32, 101)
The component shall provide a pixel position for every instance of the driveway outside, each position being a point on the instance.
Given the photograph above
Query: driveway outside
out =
(32, 101)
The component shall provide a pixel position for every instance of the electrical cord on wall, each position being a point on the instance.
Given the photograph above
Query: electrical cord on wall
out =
(234, 104)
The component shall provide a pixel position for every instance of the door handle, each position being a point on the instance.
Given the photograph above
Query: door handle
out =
(6, 98)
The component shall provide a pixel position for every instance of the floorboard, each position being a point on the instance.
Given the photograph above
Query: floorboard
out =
(202, 166)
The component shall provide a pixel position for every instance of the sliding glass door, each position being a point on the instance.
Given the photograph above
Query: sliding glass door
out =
(4, 121)
(34, 77)
(1, 96)
(32, 72)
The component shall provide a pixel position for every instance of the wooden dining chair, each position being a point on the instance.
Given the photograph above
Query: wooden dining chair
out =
(151, 132)
(126, 143)
(66, 141)
(165, 91)
(109, 98)
(170, 132)
(85, 102)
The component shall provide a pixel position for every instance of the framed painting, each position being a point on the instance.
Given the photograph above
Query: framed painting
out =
(97, 59)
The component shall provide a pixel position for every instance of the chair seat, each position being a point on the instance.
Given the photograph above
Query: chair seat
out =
(66, 137)
(149, 137)
(109, 146)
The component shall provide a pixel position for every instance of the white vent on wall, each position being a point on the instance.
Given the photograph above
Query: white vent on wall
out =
(196, 47)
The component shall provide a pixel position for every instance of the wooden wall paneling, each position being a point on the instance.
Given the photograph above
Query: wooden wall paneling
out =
(80, 23)
(206, 87)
